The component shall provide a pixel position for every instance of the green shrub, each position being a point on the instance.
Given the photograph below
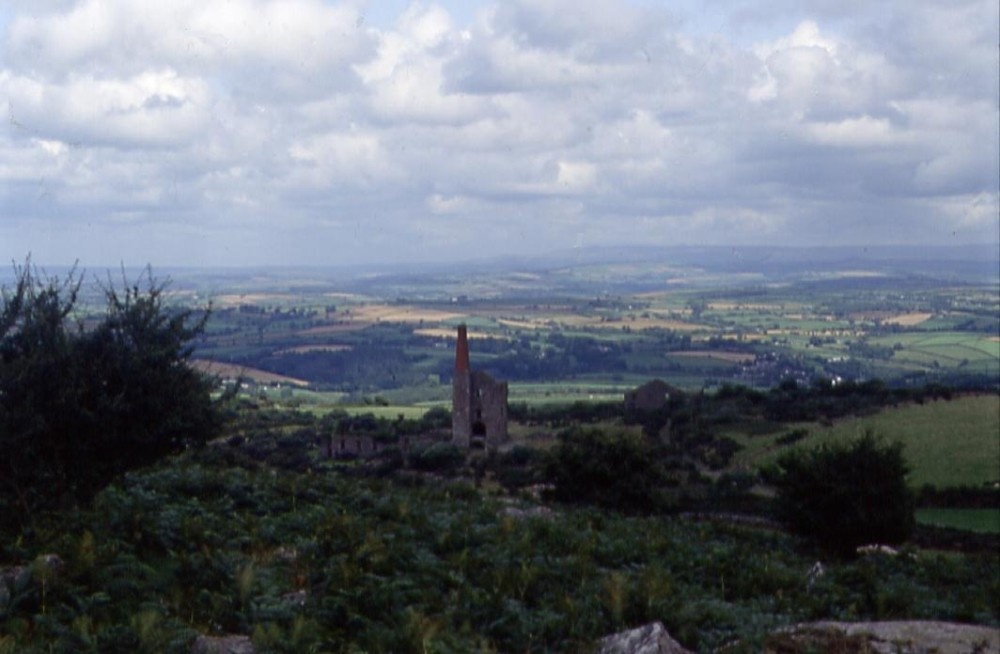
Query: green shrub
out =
(436, 417)
(617, 470)
(520, 466)
(80, 406)
(846, 495)
(439, 457)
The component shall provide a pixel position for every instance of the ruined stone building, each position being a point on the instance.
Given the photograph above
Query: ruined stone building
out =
(479, 402)
(350, 447)
(651, 396)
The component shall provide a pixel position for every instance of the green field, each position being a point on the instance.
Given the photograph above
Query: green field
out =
(390, 412)
(567, 392)
(947, 444)
(944, 349)
(983, 521)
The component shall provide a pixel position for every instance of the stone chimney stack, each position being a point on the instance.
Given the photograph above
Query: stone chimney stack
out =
(462, 351)
(461, 393)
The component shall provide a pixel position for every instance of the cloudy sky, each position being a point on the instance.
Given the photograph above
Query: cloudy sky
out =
(237, 132)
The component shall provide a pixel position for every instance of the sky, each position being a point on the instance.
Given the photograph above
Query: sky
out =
(316, 132)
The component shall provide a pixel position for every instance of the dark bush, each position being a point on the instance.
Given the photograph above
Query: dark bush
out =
(617, 470)
(520, 466)
(80, 406)
(791, 437)
(436, 417)
(439, 457)
(846, 495)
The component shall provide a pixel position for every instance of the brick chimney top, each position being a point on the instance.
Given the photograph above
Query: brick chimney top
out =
(462, 350)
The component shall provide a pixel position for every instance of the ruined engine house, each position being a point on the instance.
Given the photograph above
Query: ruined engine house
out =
(479, 403)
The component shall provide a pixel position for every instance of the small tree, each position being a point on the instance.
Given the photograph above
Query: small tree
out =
(617, 470)
(846, 495)
(80, 406)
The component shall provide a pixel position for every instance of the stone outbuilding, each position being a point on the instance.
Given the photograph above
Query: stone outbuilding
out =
(479, 402)
(651, 396)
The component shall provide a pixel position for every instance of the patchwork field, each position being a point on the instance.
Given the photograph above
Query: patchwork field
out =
(401, 314)
(450, 333)
(908, 319)
(729, 357)
(550, 326)
(233, 371)
(254, 299)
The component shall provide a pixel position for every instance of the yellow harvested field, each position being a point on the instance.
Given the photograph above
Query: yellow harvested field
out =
(599, 322)
(733, 357)
(230, 370)
(909, 319)
(400, 313)
(519, 324)
(356, 318)
(654, 323)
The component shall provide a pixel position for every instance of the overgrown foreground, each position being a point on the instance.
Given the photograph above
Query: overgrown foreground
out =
(184, 549)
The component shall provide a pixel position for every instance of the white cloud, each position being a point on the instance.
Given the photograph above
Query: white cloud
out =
(547, 122)
(860, 132)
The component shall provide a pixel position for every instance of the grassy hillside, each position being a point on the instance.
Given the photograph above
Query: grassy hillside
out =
(982, 521)
(947, 443)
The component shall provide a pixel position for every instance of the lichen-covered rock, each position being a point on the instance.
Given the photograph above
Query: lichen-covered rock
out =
(902, 637)
(648, 639)
(223, 645)
(295, 598)
(44, 569)
(543, 512)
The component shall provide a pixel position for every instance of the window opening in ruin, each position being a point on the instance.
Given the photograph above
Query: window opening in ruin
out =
(478, 439)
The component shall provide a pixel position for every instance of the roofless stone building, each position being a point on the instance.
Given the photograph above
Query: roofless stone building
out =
(479, 402)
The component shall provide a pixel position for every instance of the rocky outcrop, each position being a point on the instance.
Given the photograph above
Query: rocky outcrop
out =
(648, 639)
(542, 512)
(904, 637)
(223, 645)
(44, 570)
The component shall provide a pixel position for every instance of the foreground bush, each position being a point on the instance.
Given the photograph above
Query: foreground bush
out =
(80, 406)
(846, 495)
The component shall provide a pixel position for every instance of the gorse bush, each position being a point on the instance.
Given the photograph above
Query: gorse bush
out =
(846, 495)
(80, 406)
